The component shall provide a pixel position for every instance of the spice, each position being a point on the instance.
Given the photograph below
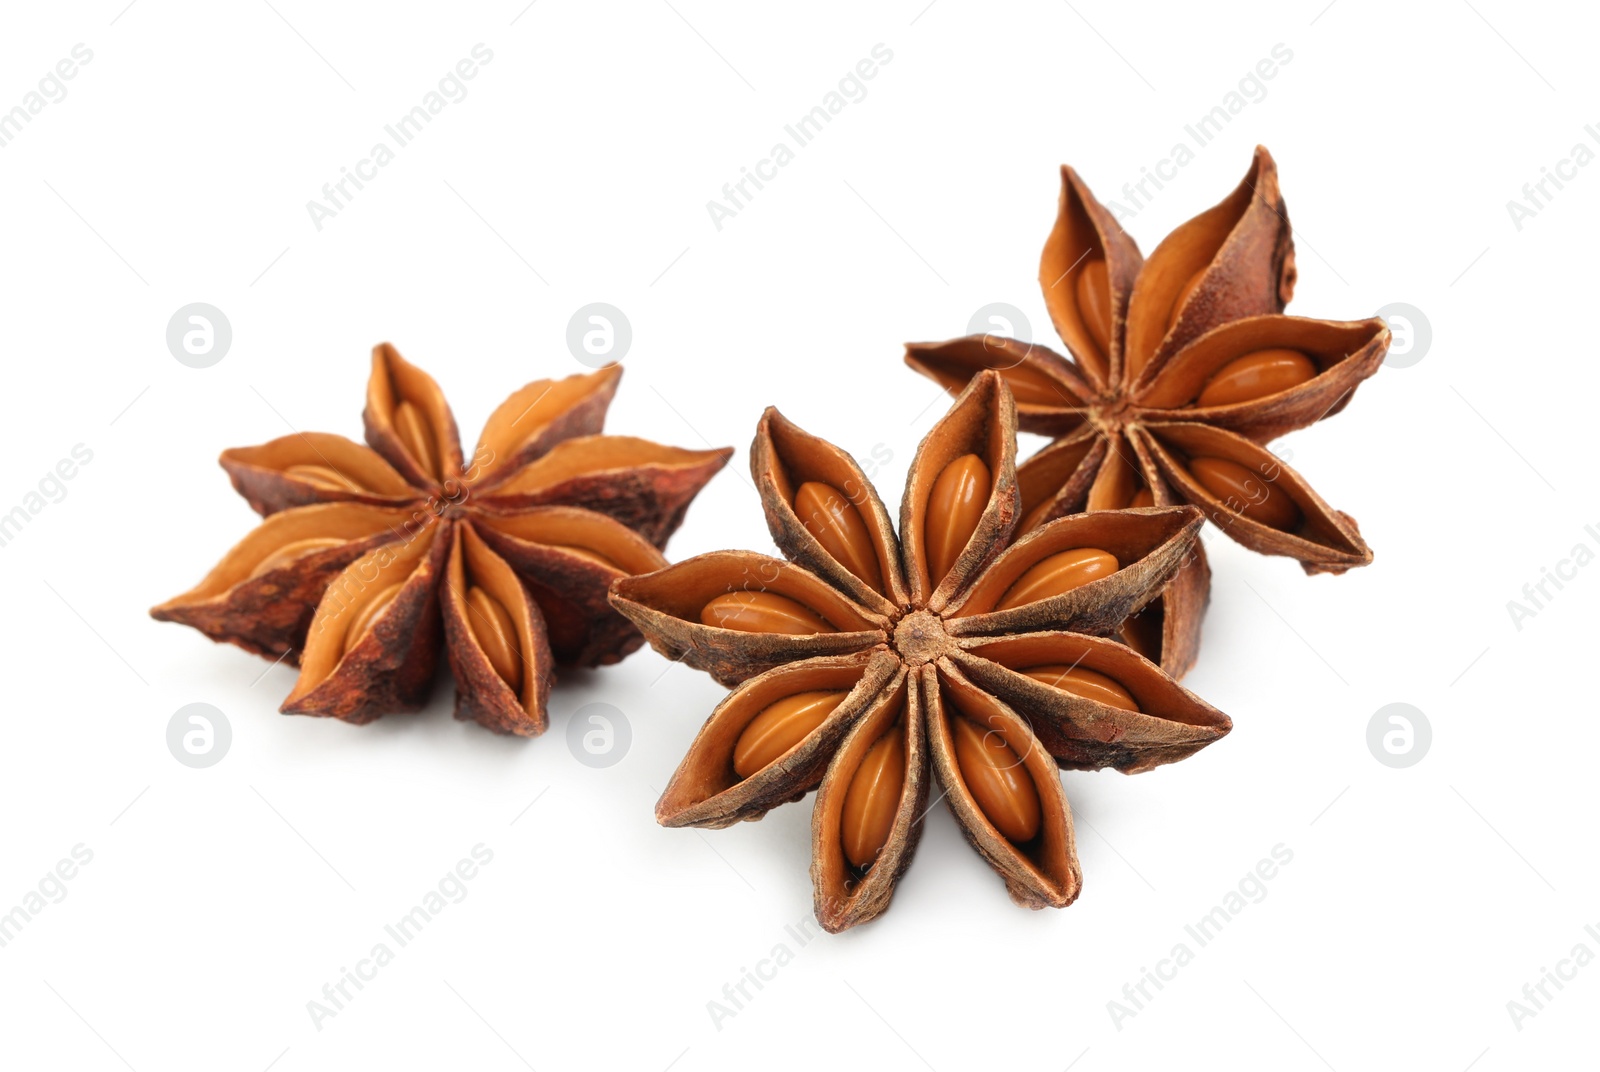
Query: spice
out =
(369, 558)
(875, 665)
(1182, 368)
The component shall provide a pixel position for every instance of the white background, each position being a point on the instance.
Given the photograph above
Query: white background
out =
(220, 901)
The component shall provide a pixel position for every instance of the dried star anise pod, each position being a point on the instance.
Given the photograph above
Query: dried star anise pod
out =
(368, 555)
(1183, 368)
(871, 665)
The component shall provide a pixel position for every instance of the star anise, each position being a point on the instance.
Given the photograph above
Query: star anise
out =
(1182, 369)
(368, 555)
(869, 665)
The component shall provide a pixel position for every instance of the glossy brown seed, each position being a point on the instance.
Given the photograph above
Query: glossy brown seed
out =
(1142, 497)
(412, 428)
(588, 553)
(763, 612)
(364, 618)
(959, 495)
(1029, 386)
(997, 779)
(1088, 684)
(1246, 492)
(1094, 302)
(1183, 296)
(492, 628)
(293, 550)
(873, 798)
(1257, 375)
(838, 527)
(781, 726)
(1061, 572)
(323, 477)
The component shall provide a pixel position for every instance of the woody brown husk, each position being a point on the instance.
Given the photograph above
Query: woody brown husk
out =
(1182, 369)
(372, 558)
(946, 660)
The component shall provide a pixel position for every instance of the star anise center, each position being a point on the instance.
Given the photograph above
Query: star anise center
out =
(1112, 412)
(920, 638)
(453, 511)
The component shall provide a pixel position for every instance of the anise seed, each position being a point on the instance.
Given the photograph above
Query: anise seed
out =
(1029, 386)
(492, 627)
(838, 527)
(1257, 375)
(955, 506)
(412, 428)
(763, 612)
(997, 779)
(322, 476)
(369, 614)
(873, 798)
(293, 550)
(781, 726)
(1061, 572)
(588, 553)
(1089, 684)
(1094, 302)
(1246, 492)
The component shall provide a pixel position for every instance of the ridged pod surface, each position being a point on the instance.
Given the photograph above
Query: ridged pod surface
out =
(907, 674)
(370, 558)
(1182, 368)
